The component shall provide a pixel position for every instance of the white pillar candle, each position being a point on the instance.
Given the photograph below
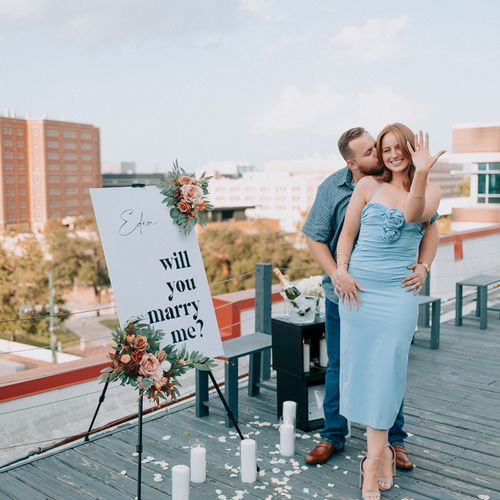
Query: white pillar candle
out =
(180, 482)
(248, 454)
(306, 348)
(198, 464)
(287, 438)
(289, 410)
(323, 355)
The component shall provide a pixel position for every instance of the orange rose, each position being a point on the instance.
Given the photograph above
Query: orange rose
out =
(159, 383)
(201, 206)
(137, 356)
(161, 356)
(141, 342)
(129, 338)
(183, 180)
(125, 359)
(149, 365)
(181, 361)
(184, 207)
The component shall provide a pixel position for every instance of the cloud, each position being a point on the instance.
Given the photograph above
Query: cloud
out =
(375, 40)
(323, 112)
(260, 8)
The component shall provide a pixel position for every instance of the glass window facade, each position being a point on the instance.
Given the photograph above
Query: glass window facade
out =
(488, 182)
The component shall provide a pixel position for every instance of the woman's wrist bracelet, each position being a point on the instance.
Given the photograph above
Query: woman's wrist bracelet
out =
(426, 266)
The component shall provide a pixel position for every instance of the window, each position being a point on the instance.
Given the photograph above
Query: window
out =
(54, 203)
(71, 190)
(69, 133)
(7, 143)
(52, 155)
(54, 191)
(69, 145)
(8, 167)
(482, 166)
(86, 146)
(20, 144)
(19, 131)
(52, 144)
(85, 157)
(87, 178)
(70, 202)
(53, 167)
(8, 154)
(85, 135)
(9, 179)
(69, 179)
(7, 131)
(20, 155)
(70, 167)
(494, 184)
(52, 132)
(53, 179)
(70, 156)
(86, 168)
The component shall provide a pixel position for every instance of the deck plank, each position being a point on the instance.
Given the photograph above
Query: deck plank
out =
(451, 410)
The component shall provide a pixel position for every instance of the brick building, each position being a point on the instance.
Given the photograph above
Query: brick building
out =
(46, 170)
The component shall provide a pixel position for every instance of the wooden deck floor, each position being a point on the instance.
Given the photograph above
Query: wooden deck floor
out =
(452, 415)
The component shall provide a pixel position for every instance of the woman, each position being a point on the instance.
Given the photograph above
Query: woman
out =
(378, 317)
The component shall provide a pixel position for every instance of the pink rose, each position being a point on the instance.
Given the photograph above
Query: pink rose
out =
(149, 365)
(182, 362)
(192, 193)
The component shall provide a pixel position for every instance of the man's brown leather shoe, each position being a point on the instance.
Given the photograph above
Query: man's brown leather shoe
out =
(322, 453)
(402, 460)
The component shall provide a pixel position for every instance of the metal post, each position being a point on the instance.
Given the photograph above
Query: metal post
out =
(52, 318)
(424, 312)
(263, 305)
(139, 448)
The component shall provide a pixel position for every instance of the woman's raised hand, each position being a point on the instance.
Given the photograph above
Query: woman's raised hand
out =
(420, 156)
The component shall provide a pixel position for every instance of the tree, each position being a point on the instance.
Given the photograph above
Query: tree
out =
(8, 305)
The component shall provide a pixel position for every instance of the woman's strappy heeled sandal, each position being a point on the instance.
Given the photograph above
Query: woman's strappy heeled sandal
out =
(367, 494)
(389, 480)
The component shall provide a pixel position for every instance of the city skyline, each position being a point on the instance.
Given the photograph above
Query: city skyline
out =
(256, 80)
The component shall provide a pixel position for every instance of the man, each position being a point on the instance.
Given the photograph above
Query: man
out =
(322, 230)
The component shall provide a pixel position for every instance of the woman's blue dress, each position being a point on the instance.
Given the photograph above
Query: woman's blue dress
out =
(375, 340)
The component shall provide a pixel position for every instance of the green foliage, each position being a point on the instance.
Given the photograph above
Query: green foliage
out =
(229, 252)
(77, 255)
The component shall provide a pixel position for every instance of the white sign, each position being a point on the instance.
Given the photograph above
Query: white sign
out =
(156, 270)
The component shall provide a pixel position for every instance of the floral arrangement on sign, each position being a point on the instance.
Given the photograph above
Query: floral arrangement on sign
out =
(138, 360)
(187, 198)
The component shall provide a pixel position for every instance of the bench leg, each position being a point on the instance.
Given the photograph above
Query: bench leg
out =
(478, 301)
(201, 380)
(435, 325)
(231, 388)
(483, 307)
(254, 373)
(458, 305)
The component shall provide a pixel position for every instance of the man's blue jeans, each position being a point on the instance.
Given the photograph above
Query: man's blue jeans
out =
(335, 429)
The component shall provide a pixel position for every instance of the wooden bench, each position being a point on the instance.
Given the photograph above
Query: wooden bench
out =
(248, 345)
(423, 302)
(481, 282)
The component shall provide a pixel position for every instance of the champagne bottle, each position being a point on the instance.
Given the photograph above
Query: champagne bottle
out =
(292, 293)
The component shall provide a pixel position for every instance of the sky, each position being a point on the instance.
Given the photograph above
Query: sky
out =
(248, 80)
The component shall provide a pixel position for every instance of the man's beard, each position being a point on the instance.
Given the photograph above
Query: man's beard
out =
(377, 170)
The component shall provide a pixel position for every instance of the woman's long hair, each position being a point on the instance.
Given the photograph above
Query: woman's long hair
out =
(403, 134)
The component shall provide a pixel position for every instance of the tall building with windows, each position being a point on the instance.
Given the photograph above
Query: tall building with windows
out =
(46, 170)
